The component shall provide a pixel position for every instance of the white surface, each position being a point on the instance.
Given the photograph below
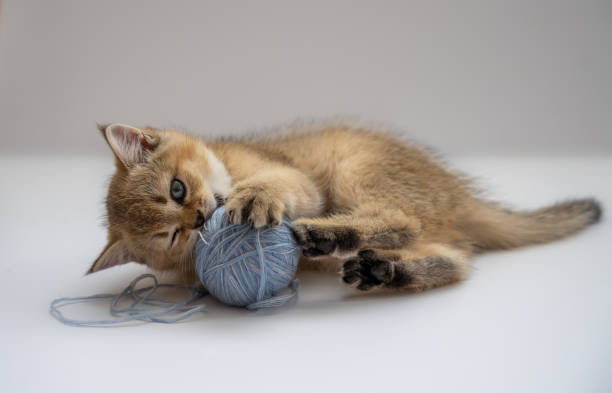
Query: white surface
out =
(482, 76)
(532, 320)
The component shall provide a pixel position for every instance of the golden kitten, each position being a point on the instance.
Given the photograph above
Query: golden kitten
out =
(387, 210)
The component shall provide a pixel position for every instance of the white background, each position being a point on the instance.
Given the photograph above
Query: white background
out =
(518, 94)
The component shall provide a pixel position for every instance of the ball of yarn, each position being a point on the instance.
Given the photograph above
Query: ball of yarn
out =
(244, 266)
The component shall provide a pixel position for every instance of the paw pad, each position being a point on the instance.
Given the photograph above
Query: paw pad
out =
(367, 270)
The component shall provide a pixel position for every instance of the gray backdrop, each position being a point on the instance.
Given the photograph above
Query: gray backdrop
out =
(467, 77)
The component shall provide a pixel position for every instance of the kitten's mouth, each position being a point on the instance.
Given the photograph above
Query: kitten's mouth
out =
(220, 201)
(205, 218)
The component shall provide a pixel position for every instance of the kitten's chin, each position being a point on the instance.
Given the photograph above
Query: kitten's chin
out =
(186, 261)
(178, 277)
(185, 268)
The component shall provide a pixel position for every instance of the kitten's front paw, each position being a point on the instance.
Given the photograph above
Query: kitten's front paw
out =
(253, 204)
(317, 239)
(368, 270)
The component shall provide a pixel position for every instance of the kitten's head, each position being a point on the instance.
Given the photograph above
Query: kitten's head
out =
(165, 186)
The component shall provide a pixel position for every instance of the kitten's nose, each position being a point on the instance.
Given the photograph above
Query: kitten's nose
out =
(199, 221)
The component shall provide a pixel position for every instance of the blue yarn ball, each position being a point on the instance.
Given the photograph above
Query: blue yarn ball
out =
(243, 266)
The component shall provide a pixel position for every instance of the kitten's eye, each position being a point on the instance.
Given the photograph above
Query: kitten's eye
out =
(177, 190)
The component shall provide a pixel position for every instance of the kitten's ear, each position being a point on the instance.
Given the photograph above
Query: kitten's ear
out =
(115, 253)
(131, 145)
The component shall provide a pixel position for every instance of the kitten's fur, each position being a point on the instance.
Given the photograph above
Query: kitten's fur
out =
(387, 210)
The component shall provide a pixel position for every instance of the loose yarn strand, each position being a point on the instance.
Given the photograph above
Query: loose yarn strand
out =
(277, 301)
(143, 307)
(262, 267)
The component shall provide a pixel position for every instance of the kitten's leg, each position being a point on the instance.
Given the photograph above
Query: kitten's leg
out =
(345, 234)
(417, 269)
(270, 194)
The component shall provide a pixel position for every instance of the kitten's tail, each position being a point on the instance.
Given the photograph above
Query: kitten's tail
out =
(496, 229)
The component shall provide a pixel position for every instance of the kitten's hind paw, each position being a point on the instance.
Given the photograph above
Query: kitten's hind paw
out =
(368, 270)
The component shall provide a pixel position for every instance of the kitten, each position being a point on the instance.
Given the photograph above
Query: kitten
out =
(385, 209)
